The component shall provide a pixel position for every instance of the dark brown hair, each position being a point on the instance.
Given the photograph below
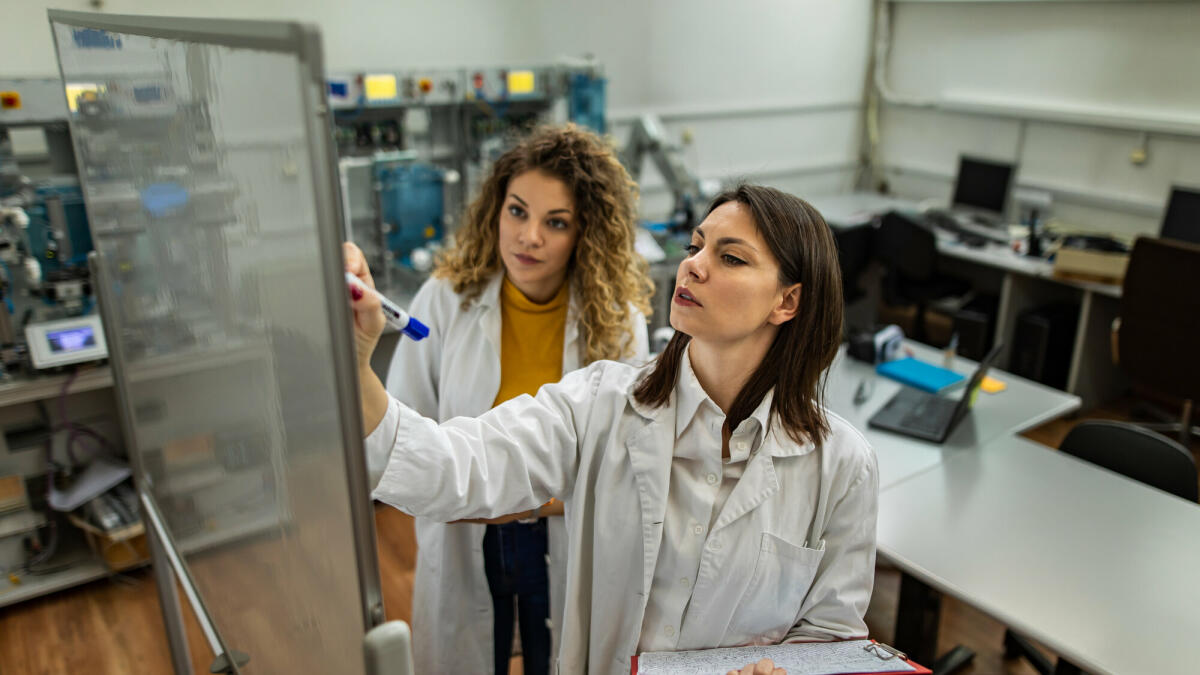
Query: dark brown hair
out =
(606, 273)
(805, 346)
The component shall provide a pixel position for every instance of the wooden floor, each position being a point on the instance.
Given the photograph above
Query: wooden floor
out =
(114, 626)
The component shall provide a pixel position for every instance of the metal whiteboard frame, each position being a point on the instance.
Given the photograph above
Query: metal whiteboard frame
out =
(304, 41)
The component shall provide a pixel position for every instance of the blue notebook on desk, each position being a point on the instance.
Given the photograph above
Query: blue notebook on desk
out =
(919, 374)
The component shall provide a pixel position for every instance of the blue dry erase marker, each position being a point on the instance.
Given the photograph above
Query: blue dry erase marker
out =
(392, 312)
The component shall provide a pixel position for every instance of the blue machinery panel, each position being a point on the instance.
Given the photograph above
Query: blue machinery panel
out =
(411, 205)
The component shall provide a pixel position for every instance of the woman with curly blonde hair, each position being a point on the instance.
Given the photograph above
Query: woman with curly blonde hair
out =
(541, 279)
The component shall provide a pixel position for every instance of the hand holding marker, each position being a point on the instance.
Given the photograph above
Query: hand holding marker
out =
(395, 316)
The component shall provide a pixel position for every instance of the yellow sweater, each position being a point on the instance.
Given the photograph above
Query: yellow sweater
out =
(531, 341)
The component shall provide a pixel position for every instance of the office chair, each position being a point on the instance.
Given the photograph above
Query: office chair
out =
(1155, 337)
(1133, 452)
(909, 255)
(854, 246)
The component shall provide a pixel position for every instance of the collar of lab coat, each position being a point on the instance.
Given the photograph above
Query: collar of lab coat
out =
(488, 304)
(683, 405)
(651, 448)
(690, 397)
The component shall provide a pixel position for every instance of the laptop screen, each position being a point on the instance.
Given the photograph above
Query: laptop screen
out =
(971, 393)
(1182, 220)
(982, 185)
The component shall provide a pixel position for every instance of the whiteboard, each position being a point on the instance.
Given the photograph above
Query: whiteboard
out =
(204, 154)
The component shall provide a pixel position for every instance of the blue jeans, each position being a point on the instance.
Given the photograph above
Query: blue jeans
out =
(514, 559)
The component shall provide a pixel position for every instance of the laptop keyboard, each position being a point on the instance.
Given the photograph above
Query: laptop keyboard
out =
(930, 415)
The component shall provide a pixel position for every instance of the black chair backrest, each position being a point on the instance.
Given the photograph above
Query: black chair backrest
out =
(906, 248)
(1160, 317)
(854, 253)
(1136, 453)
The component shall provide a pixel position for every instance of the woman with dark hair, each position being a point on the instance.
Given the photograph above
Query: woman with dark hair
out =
(710, 499)
(540, 280)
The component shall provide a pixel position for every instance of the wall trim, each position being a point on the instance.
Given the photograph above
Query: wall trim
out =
(1059, 113)
(727, 110)
(766, 171)
(1068, 193)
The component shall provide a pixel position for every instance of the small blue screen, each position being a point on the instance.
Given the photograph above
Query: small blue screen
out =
(71, 339)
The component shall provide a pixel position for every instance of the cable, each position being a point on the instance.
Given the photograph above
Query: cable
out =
(76, 431)
(883, 48)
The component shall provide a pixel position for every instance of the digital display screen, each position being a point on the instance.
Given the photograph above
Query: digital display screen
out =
(1182, 220)
(71, 339)
(982, 185)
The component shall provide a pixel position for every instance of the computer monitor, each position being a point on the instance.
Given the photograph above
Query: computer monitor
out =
(1182, 220)
(982, 185)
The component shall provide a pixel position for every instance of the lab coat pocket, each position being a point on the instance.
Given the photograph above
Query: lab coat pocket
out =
(769, 607)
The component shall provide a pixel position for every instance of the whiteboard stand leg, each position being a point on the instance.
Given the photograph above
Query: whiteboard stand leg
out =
(168, 600)
(388, 649)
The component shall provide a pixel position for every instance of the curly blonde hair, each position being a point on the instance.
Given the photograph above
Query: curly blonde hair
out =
(609, 277)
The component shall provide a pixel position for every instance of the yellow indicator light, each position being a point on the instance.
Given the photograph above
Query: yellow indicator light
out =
(520, 82)
(76, 90)
(380, 87)
(10, 100)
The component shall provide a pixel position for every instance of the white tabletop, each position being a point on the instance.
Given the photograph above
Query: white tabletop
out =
(1022, 405)
(857, 208)
(1004, 258)
(1097, 567)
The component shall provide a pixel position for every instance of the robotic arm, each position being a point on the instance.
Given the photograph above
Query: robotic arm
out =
(649, 138)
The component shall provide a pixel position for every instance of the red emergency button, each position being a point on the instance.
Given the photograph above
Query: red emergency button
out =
(425, 85)
(10, 100)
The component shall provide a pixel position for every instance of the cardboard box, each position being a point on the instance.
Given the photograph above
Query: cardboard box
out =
(1091, 265)
(119, 549)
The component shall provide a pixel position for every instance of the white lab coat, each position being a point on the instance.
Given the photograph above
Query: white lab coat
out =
(456, 371)
(585, 440)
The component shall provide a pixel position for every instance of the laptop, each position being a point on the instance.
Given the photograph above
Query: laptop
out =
(928, 416)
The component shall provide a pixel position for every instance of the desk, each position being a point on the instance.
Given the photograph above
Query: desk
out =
(1099, 568)
(1021, 283)
(1023, 405)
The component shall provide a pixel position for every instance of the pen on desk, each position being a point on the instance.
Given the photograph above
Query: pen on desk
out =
(395, 316)
(864, 391)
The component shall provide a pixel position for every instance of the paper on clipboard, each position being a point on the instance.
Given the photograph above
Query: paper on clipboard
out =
(805, 658)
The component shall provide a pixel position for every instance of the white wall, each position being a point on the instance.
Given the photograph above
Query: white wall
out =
(741, 77)
(357, 33)
(770, 90)
(1124, 64)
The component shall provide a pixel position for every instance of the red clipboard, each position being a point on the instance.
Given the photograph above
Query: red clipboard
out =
(918, 668)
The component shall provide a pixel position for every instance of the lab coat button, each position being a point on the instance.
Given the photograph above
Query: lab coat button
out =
(712, 479)
(683, 581)
(741, 445)
(669, 630)
(698, 530)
